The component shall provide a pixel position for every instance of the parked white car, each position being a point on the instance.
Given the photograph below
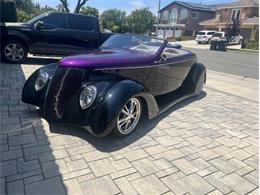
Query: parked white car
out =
(204, 36)
(234, 40)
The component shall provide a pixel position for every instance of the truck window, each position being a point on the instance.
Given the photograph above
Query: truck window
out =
(53, 21)
(217, 35)
(79, 22)
(201, 33)
(211, 33)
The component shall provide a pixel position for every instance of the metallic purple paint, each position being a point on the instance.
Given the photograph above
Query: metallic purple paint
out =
(108, 58)
(118, 58)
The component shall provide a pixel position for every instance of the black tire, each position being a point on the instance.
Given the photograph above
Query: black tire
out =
(20, 50)
(117, 132)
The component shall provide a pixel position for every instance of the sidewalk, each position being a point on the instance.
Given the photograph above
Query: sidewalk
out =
(233, 84)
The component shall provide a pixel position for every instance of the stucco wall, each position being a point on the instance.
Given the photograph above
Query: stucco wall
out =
(246, 12)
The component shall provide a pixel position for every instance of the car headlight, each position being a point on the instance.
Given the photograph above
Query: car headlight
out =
(41, 80)
(87, 96)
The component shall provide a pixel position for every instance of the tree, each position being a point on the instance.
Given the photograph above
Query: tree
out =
(22, 16)
(25, 5)
(141, 21)
(114, 19)
(233, 29)
(89, 11)
(60, 8)
(65, 5)
(80, 3)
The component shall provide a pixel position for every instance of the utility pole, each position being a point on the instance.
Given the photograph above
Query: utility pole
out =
(158, 17)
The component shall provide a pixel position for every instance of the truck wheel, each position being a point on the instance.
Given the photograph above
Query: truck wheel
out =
(128, 117)
(14, 52)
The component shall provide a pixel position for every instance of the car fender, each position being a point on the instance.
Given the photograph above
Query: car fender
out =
(104, 116)
(193, 76)
(29, 94)
(19, 35)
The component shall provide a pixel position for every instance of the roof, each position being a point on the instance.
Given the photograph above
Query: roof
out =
(195, 6)
(239, 3)
(209, 22)
(250, 21)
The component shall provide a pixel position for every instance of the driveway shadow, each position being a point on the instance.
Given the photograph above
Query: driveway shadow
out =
(25, 148)
(110, 143)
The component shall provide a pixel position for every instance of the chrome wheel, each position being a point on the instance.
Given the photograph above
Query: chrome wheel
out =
(129, 116)
(14, 52)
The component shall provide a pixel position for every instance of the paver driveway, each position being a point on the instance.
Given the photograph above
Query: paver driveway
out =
(205, 145)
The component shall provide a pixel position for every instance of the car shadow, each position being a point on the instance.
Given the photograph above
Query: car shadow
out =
(110, 143)
(25, 147)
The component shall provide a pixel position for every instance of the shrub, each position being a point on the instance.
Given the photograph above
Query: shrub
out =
(252, 45)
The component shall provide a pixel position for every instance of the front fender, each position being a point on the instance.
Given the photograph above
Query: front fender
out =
(104, 117)
(29, 94)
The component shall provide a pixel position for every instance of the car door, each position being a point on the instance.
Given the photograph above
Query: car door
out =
(84, 33)
(51, 38)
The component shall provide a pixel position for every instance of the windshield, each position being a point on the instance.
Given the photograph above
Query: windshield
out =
(201, 33)
(31, 21)
(133, 42)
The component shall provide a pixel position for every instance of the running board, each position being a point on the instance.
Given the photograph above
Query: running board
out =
(168, 106)
(168, 100)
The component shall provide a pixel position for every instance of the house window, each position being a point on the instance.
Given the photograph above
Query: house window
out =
(235, 14)
(195, 15)
(173, 16)
(183, 14)
(165, 15)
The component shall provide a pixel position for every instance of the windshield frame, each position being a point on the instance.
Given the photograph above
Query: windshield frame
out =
(37, 18)
(146, 42)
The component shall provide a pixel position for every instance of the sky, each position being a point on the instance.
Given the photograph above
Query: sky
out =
(127, 5)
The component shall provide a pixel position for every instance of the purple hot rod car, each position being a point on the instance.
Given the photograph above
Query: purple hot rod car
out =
(111, 88)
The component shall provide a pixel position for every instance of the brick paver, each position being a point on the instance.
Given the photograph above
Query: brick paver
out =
(205, 145)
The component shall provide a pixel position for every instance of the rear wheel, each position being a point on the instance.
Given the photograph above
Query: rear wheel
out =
(14, 52)
(200, 84)
(128, 117)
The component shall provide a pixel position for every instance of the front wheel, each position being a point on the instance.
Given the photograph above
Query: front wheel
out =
(14, 52)
(128, 117)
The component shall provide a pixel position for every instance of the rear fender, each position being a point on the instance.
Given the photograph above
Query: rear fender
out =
(193, 76)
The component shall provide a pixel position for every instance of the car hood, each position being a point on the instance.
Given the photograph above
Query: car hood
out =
(108, 58)
(14, 25)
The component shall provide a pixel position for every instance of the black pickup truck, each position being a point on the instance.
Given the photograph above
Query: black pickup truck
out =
(51, 33)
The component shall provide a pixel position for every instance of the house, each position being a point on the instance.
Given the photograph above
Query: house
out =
(247, 11)
(182, 19)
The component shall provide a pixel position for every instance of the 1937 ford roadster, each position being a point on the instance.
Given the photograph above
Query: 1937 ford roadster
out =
(109, 89)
